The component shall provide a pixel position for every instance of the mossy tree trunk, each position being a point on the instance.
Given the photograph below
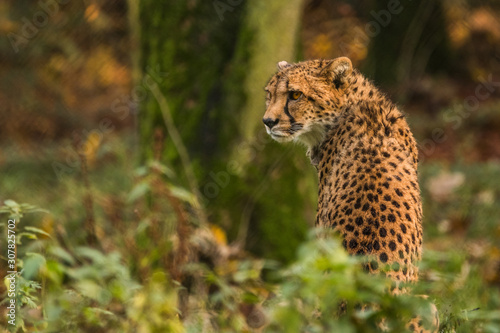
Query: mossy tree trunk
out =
(211, 60)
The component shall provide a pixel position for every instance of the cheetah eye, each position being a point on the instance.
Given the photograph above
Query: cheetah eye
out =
(294, 95)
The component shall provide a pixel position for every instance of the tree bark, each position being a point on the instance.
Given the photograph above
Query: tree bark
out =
(211, 60)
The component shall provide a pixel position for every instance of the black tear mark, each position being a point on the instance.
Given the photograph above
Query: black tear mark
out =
(287, 112)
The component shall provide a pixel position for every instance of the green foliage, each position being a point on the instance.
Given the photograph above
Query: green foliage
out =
(324, 279)
(461, 218)
(16, 211)
(126, 284)
(324, 289)
(465, 303)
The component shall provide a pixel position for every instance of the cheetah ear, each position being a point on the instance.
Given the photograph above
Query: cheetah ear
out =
(337, 70)
(283, 65)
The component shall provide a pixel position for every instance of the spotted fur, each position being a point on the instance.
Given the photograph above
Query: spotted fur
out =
(365, 155)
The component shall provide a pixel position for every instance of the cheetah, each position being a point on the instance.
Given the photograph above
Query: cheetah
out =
(365, 156)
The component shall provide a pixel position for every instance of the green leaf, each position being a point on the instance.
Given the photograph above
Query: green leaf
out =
(25, 234)
(36, 230)
(90, 253)
(32, 264)
(182, 194)
(162, 168)
(62, 254)
(93, 290)
(141, 171)
(138, 191)
(11, 204)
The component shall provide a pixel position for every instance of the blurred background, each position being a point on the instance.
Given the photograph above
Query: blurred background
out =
(123, 118)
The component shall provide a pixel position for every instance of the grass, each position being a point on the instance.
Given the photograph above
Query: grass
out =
(127, 281)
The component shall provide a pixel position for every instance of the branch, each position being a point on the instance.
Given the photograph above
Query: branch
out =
(181, 149)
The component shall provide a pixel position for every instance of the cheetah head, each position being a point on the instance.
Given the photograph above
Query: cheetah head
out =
(304, 99)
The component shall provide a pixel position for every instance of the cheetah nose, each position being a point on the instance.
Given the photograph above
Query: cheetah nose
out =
(270, 122)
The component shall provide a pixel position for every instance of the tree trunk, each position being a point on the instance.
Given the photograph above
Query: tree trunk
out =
(210, 61)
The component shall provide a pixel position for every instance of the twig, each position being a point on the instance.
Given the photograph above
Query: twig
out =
(181, 149)
(180, 255)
